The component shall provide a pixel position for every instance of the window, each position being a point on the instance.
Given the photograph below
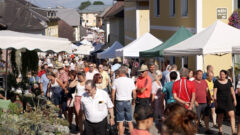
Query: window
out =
(157, 8)
(172, 8)
(184, 7)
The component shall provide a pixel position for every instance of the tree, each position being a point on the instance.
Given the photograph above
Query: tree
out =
(84, 5)
(98, 3)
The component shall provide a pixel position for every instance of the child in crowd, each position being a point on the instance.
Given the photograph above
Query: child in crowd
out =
(144, 117)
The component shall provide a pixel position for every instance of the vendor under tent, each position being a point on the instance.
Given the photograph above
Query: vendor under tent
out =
(17, 40)
(84, 50)
(181, 34)
(219, 38)
(110, 52)
(143, 43)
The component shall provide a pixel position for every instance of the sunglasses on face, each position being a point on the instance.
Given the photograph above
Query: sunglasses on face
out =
(100, 77)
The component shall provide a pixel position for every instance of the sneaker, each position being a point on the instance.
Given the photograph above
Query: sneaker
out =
(220, 133)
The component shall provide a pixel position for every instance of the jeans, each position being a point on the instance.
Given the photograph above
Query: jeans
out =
(123, 111)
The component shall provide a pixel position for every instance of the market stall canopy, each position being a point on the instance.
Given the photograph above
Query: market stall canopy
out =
(110, 52)
(85, 42)
(18, 40)
(219, 38)
(181, 34)
(97, 47)
(84, 49)
(143, 43)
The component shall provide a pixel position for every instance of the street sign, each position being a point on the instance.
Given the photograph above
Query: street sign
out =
(221, 13)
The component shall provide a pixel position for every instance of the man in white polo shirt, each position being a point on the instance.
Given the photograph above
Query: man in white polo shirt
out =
(123, 88)
(95, 104)
(91, 72)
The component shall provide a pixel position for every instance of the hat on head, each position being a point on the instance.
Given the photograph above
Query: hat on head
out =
(143, 68)
(50, 65)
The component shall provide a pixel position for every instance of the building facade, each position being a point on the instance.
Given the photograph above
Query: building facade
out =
(114, 24)
(89, 15)
(166, 16)
(136, 15)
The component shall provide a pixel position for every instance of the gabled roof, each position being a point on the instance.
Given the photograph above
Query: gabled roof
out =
(70, 16)
(105, 11)
(18, 16)
(116, 8)
(94, 9)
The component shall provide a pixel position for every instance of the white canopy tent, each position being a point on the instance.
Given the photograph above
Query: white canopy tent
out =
(110, 52)
(84, 49)
(143, 43)
(85, 42)
(219, 38)
(17, 40)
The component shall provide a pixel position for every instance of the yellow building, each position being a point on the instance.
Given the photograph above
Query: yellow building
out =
(136, 19)
(167, 15)
(90, 14)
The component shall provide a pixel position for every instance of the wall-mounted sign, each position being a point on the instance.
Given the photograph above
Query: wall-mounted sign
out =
(221, 13)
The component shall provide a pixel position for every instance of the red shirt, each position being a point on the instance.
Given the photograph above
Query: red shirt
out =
(140, 132)
(183, 95)
(144, 83)
(201, 88)
(41, 73)
(86, 69)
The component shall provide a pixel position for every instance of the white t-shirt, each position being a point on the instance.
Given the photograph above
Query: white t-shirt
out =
(96, 109)
(89, 76)
(124, 87)
(80, 89)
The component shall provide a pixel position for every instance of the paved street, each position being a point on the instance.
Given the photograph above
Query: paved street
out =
(154, 130)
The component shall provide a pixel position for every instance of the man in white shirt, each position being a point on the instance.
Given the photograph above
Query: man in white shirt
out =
(123, 88)
(91, 72)
(96, 104)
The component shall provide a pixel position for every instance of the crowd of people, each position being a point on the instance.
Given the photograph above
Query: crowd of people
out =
(177, 101)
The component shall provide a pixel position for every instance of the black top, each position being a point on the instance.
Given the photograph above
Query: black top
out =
(224, 97)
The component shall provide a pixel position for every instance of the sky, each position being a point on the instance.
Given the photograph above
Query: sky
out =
(64, 3)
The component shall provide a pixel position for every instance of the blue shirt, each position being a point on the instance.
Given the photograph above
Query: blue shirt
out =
(164, 76)
(44, 80)
(167, 89)
(205, 77)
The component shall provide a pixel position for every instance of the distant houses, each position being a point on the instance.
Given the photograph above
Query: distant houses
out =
(22, 16)
(90, 15)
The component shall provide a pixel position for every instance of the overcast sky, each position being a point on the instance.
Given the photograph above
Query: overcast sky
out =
(64, 3)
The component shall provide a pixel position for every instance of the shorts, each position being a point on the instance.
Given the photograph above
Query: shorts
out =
(123, 111)
(57, 98)
(212, 105)
(203, 109)
(77, 104)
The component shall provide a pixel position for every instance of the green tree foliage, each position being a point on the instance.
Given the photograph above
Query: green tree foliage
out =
(84, 5)
(98, 3)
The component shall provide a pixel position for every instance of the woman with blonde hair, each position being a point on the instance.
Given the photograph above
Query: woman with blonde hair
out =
(157, 96)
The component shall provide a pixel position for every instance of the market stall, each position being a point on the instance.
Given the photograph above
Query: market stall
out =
(110, 52)
(143, 43)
